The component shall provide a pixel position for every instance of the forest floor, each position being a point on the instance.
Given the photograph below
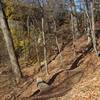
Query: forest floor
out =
(82, 82)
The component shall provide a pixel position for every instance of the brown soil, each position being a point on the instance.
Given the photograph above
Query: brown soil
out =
(80, 83)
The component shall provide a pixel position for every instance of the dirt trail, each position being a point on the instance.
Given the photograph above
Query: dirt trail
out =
(59, 87)
(62, 83)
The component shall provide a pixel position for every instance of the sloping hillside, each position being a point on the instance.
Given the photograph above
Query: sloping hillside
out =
(77, 79)
(80, 83)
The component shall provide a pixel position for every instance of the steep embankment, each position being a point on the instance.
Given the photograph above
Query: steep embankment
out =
(80, 83)
(89, 86)
(62, 84)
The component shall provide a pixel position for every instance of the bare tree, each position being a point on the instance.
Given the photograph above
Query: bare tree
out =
(92, 30)
(73, 34)
(41, 4)
(74, 14)
(9, 43)
(36, 46)
(87, 20)
(57, 43)
(44, 44)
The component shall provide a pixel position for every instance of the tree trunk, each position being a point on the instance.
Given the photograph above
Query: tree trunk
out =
(75, 19)
(45, 49)
(87, 21)
(92, 30)
(57, 43)
(9, 43)
(73, 35)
